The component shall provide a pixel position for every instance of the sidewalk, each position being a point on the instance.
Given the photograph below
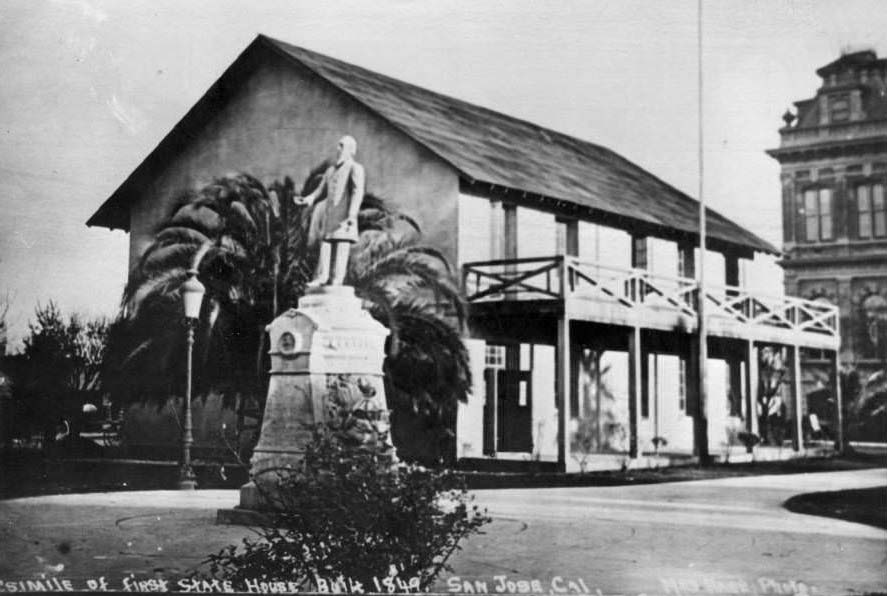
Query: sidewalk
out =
(164, 534)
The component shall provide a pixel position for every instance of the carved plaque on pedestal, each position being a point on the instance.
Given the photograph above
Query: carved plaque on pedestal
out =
(326, 368)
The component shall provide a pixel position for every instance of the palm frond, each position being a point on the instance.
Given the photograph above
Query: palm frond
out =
(165, 284)
(254, 251)
(179, 235)
(201, 218)
(163, 257)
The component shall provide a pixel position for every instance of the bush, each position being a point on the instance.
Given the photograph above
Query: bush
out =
(348, 513)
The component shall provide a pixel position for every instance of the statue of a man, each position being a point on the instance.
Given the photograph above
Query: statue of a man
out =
(343, 187)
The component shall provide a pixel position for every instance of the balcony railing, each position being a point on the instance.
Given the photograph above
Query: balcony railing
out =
(560, 278)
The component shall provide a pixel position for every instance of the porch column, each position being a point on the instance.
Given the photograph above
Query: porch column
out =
(563, 387)
(636, 382)
(751, 387)
(797, 388)
(839, 404)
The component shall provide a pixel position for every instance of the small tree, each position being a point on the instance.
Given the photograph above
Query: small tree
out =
(773, 372)
(865, 403)
(598, 431)
(255, 251)
(58, 370)
(348, 515)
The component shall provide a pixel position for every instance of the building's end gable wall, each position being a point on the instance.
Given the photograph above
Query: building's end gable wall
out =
(285, 121)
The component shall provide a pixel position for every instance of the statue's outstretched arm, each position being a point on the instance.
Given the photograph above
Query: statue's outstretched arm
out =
(309, 199)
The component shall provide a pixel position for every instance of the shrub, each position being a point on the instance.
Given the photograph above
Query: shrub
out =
(349, 513)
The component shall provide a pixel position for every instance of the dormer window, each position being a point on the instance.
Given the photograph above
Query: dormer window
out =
(839, 108)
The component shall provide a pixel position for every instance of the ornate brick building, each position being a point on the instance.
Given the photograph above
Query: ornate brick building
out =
(834, 173)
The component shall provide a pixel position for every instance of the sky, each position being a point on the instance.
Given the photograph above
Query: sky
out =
(91, 86)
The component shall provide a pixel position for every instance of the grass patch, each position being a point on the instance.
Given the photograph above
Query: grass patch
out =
(863, 505)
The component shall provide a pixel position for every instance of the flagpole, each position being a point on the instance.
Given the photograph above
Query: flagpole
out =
(701, 419)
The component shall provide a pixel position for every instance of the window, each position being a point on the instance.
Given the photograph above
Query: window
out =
(536, 233)
(495, 356)
(816, 211)
(871, 211)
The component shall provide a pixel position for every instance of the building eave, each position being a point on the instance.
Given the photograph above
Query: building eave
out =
(827, 149)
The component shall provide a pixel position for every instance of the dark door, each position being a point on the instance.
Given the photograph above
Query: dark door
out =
(514, 410)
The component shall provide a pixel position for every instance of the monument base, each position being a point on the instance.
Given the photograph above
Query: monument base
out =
(252, 510)
(326, 370)
(244, 516)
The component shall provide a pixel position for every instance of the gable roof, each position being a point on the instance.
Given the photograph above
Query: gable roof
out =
(485, 148)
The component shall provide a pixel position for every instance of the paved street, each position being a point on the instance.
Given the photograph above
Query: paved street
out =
(636, 539)
(716, 536)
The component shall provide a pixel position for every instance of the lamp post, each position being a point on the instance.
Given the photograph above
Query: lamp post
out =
(192, 297)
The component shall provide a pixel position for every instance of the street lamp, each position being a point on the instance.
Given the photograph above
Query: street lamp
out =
(192, 297)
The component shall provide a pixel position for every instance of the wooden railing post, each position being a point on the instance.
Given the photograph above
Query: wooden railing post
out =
(563, 268)
(560, 277)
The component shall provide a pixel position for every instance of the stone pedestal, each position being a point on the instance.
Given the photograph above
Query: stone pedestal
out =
(326, 364)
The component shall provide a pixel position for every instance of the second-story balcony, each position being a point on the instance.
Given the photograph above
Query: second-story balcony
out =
(637, 297)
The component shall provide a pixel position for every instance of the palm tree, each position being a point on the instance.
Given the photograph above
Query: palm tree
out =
(228, 231)
(254, 251)
(865, 403)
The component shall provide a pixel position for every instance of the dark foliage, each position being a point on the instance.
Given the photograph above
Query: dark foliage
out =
(57, 372)
(772, 417)
(865, 404)
(255, 252)
(350, 514)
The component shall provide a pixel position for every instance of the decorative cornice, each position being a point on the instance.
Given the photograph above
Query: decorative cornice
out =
(827, 149)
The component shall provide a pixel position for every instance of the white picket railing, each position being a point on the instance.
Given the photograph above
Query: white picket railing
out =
(559, 277)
